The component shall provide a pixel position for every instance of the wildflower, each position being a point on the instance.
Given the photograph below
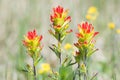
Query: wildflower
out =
(111, 25)
(32, 42)
(59, 18)
(86, 33)
(68, 46)
(86, 40)
(118, 31)
(85, 46)
(45, 68)
(92, 13)
(60, 23)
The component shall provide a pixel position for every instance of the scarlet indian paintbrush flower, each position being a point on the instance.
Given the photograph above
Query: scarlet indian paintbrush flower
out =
(86, 33)
(60, 23)
(85, 46)
(32, 42)
(85, 37)
(59, 17)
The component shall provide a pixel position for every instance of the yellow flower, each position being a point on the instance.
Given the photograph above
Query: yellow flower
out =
(111, 25)
(118, 31)
(92, 10)
(90, 17)
(45, 68)
(68, 46)
(92, 13)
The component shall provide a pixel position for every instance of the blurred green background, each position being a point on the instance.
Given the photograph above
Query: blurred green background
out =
(19, 16)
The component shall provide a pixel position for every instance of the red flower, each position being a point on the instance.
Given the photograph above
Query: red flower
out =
(57, 12)
(31, 34)
(32, 40)
(86, 30)
(85, 35)
(59, 17)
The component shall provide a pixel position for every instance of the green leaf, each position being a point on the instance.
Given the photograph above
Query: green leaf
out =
(66, 73)
(37, 60)
(56, 50)
(28, 69)
(90, 53)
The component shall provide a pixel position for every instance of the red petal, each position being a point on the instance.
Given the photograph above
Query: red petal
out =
(88, 31)
(79, 35)
(83, 26)
(95, 33)
(24, 43)
(51, 18)
(68, 19)
(69, 31)
(40, 37)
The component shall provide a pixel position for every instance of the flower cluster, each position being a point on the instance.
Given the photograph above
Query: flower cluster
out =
(32, 42)
(60, 23)
(45, 68)
(92, 13)
(59, 17)
(112, 26)
(86, 40)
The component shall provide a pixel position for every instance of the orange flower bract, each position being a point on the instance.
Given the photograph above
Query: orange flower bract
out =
(59, 17)
(32, 41)
(85, 37)
(86, 31)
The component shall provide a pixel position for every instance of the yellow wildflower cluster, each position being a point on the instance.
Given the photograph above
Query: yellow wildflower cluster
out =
(45, 68)
(112, 25)
(67, 46)
(92, 13)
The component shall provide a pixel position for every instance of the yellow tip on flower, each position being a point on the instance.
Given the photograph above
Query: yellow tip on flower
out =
(111, 25)
(45, 68)
(118, 31)
(68, 46)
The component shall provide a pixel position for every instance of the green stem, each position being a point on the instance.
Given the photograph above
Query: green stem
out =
(113, 55)
(85, 77)
(79, 71)
(75, 74)
(59, 46)
(85, 62)
(34, 70)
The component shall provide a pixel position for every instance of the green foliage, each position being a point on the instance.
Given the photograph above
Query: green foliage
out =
(66, 73)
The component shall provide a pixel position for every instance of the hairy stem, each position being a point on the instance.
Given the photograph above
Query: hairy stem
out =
(85, 62)
(79, 71)
(59, 46)
(34, 70)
